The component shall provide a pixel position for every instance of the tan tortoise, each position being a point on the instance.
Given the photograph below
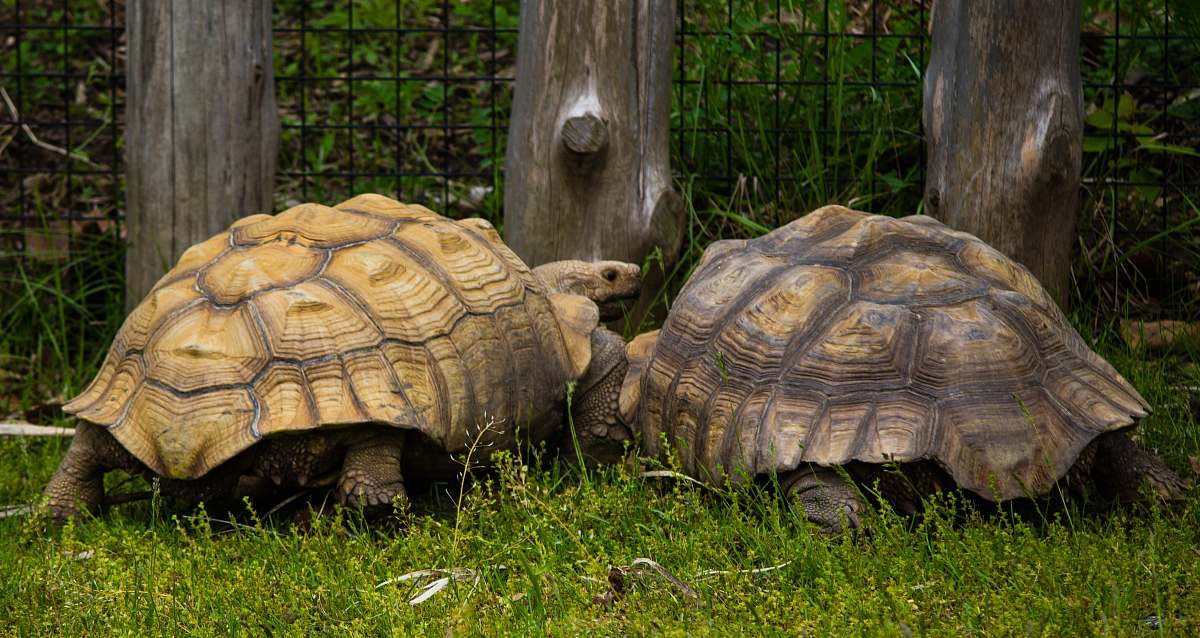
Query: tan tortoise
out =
(854, 340)
(366, 340)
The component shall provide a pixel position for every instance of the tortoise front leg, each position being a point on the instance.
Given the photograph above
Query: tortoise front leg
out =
(78, 484)
(829, 500)
(371, 476)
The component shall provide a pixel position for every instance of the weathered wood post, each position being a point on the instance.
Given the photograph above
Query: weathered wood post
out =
(1004, 120)
(587, 172)
(201, 127)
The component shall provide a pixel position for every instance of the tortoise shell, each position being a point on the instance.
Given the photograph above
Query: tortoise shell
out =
(846, 337)
(372, 311)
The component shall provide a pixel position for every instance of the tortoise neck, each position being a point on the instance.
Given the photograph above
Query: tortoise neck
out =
(599, 429)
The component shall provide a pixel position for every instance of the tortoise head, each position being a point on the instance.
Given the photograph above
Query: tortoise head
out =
(608, 283)
(598, 427)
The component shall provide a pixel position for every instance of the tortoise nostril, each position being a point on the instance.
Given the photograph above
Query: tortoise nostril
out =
(610, 275)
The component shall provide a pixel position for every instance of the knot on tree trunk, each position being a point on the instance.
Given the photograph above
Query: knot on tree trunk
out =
(585, 135)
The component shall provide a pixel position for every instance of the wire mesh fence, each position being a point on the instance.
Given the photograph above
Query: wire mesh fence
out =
(778, 106)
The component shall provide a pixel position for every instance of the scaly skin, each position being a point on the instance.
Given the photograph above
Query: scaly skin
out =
(598, 426)
(371, 473)
(78, 484)
(827, 498)
(300, 458)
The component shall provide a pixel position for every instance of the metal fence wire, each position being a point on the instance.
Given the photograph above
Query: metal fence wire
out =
(778, 106)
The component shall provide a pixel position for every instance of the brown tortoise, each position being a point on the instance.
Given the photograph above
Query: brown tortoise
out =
(848, 339)
(374, 336)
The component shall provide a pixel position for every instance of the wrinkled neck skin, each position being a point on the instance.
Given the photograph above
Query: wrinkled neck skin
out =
(601, 433)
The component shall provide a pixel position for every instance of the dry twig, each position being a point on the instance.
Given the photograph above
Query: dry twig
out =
(673, 474)
(7, 511)
(441, 579)
(20, 428)
(709, 573)
(16, 116)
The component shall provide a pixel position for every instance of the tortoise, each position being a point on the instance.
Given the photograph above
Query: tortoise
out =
(367, 339)
(856, 341)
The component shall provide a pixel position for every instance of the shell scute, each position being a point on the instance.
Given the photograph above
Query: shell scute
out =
(311, 320)
(285, 400)
(406, 299)
(242, 272)
(902, 278)
(412, 367)
(758, 338)
(313, 225)
(378, 391)
(482, 280)
(112, 400)
(865, 344)
(186, 435)
(196, 256)
(205, 346)
(381, 206)
(786, 425)
(969, 344)
(158, 306)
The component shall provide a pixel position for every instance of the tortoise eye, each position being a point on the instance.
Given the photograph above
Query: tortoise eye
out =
(609, 275)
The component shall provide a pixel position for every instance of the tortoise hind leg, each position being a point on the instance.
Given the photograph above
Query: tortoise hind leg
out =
(1121, 467)
(371, 476)
(78, 483)
(829, 500)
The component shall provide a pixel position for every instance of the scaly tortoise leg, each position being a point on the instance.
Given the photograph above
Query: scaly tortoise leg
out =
(217, 485)
(371, 476)
(298, 458)
(828, 499)
(78, 483)
(1121, 468)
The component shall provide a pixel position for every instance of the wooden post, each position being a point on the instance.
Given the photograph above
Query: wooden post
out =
(1004, 120)
(201, 126)
(587, 174)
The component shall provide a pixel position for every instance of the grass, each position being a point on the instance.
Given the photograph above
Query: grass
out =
(542, 544)
(542, 541)
(540, 536)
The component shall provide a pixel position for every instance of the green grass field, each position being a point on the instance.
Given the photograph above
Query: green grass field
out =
(533, 543)
(540, 540)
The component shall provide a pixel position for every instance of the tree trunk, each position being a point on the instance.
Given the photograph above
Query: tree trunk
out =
(201, 126)
(1004, 120)
(587, 174)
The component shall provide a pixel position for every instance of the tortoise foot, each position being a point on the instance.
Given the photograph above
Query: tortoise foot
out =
(358, 489)
(296, 459)
(371, 476)
(829, 500)
(78, 484)
(68, 495)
